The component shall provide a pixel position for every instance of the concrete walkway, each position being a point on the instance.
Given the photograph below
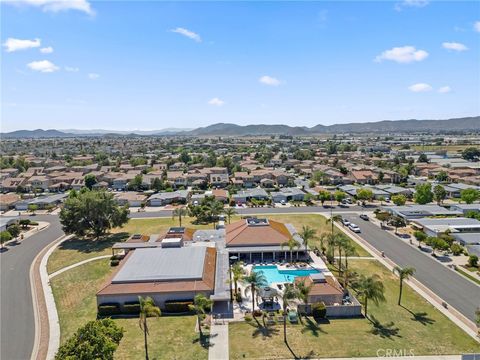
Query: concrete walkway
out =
(66, 268)
(218, 341)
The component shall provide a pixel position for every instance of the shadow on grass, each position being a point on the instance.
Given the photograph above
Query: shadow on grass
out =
(313, 328)
(89, 245)
(385, 331)
(204, 340)
(264, 330)
(421, 317)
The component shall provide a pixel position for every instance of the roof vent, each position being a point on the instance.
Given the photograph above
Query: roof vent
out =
(257, 222)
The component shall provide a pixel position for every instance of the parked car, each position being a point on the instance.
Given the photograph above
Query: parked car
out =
(345, 222)
(354, 228)
(283, 202)
(364, 217)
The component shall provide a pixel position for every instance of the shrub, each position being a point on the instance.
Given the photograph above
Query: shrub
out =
(114, 262)
(107, 309)
(319, 310)
(178, 306)
(473, 261)
(420, 235)
(248, 318)
(456, 249)
(131, 308)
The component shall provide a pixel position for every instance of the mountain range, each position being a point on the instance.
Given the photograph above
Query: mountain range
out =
(226, 129)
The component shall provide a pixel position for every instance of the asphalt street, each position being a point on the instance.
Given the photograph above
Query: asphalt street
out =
(460, 293)
(16, 308)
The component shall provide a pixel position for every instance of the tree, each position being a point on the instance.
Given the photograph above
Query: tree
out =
(4, 237)
(14, 230)
(147, 309)
(422, 158)
(32, 208)
(403, 274)
(290, 294)
(334, 218)
(339, 196)
(238, 274)
(90, 180)
(97, 339)
(370, 288)
(383, 216)
(439, 194)
(399, 199)
(469, 195)
(323, 196)
(436, 244)
(201, 304)
(442, 176)
(254, 281)
(179, 212)
(157, 184)
(341, 241)
(303, 291)
(136, 182)
(291, 244)
(365, 194)
(471, 154)
(229, 212)
(214, 208)
(396, 222)
(456, 249)
(24, 223)
(420, 236)
(473, 261)
(423, 193)
(307, 234)
(92, 213)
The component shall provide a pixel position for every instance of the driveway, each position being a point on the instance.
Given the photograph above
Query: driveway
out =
(460, 293)
(16, 314)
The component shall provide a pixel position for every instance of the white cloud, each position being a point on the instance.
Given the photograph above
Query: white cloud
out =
(187, 33)
(268, 80)
(46, 50)
(403, 55)
(57, 5)
(93, 76)
(216, 102)
(476, 26)
(72, 69)
(454, 46)
(411, 3)
(12, 44)
(444, 89)
(420, 87)
(44, 66)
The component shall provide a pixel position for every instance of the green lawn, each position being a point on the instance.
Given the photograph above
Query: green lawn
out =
(417, 326)
(171, 337)
(75, 250)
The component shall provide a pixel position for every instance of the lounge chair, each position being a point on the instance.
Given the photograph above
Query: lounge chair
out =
(293, 317)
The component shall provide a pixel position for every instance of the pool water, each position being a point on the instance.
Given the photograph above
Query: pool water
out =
(274, 275)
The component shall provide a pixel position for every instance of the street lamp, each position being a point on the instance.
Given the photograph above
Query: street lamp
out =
(232, 259)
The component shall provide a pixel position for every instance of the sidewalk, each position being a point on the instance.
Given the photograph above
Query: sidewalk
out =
(218, 341)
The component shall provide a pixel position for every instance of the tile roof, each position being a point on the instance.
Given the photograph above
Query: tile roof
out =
(240, 233)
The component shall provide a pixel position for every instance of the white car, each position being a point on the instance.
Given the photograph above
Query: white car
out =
(354, 228)
(345, 222)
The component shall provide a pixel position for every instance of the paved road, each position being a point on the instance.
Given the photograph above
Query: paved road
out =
(451, 287)
(16, 314)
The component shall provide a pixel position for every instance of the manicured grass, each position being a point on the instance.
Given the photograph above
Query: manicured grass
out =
(171, 337)
(157, 225)
(417, 326)
(317, 222)
(466, 274)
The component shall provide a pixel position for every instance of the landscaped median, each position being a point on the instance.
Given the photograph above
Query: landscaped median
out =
(171, 337)
(416, 326)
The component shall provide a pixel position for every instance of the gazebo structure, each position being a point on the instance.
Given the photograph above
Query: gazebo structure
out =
(269, 297)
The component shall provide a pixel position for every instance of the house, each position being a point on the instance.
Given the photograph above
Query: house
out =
(242, 197)
(132, 198)
(255, 239)
(8, 201)
(322, 288)
(6, 221)
(364, 177)
(164, 198)
(410, 212)
(466, 208)
(177, 178)
(218, 176)
(164, 273)
(288, 194)
(243, 179)
(43, 202)
(220, 195)
(437, 226)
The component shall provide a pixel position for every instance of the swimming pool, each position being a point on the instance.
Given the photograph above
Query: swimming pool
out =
(274, 275)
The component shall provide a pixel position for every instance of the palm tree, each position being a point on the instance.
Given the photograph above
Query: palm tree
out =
(214, 209)
(371, 288)
(348, 250)
(303, 291)
(291, 244)
(200, 305)
(255, 280)
(229, 212)
(403, 274)
(289, 294)
(237, 274)
(179, 212)
(332, 219)
(307, 234)
(147, 309)
(341, 241)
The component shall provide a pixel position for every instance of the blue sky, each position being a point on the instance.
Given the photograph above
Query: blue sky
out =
(152, 65)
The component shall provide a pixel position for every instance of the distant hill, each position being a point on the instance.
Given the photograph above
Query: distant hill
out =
(225, 129)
